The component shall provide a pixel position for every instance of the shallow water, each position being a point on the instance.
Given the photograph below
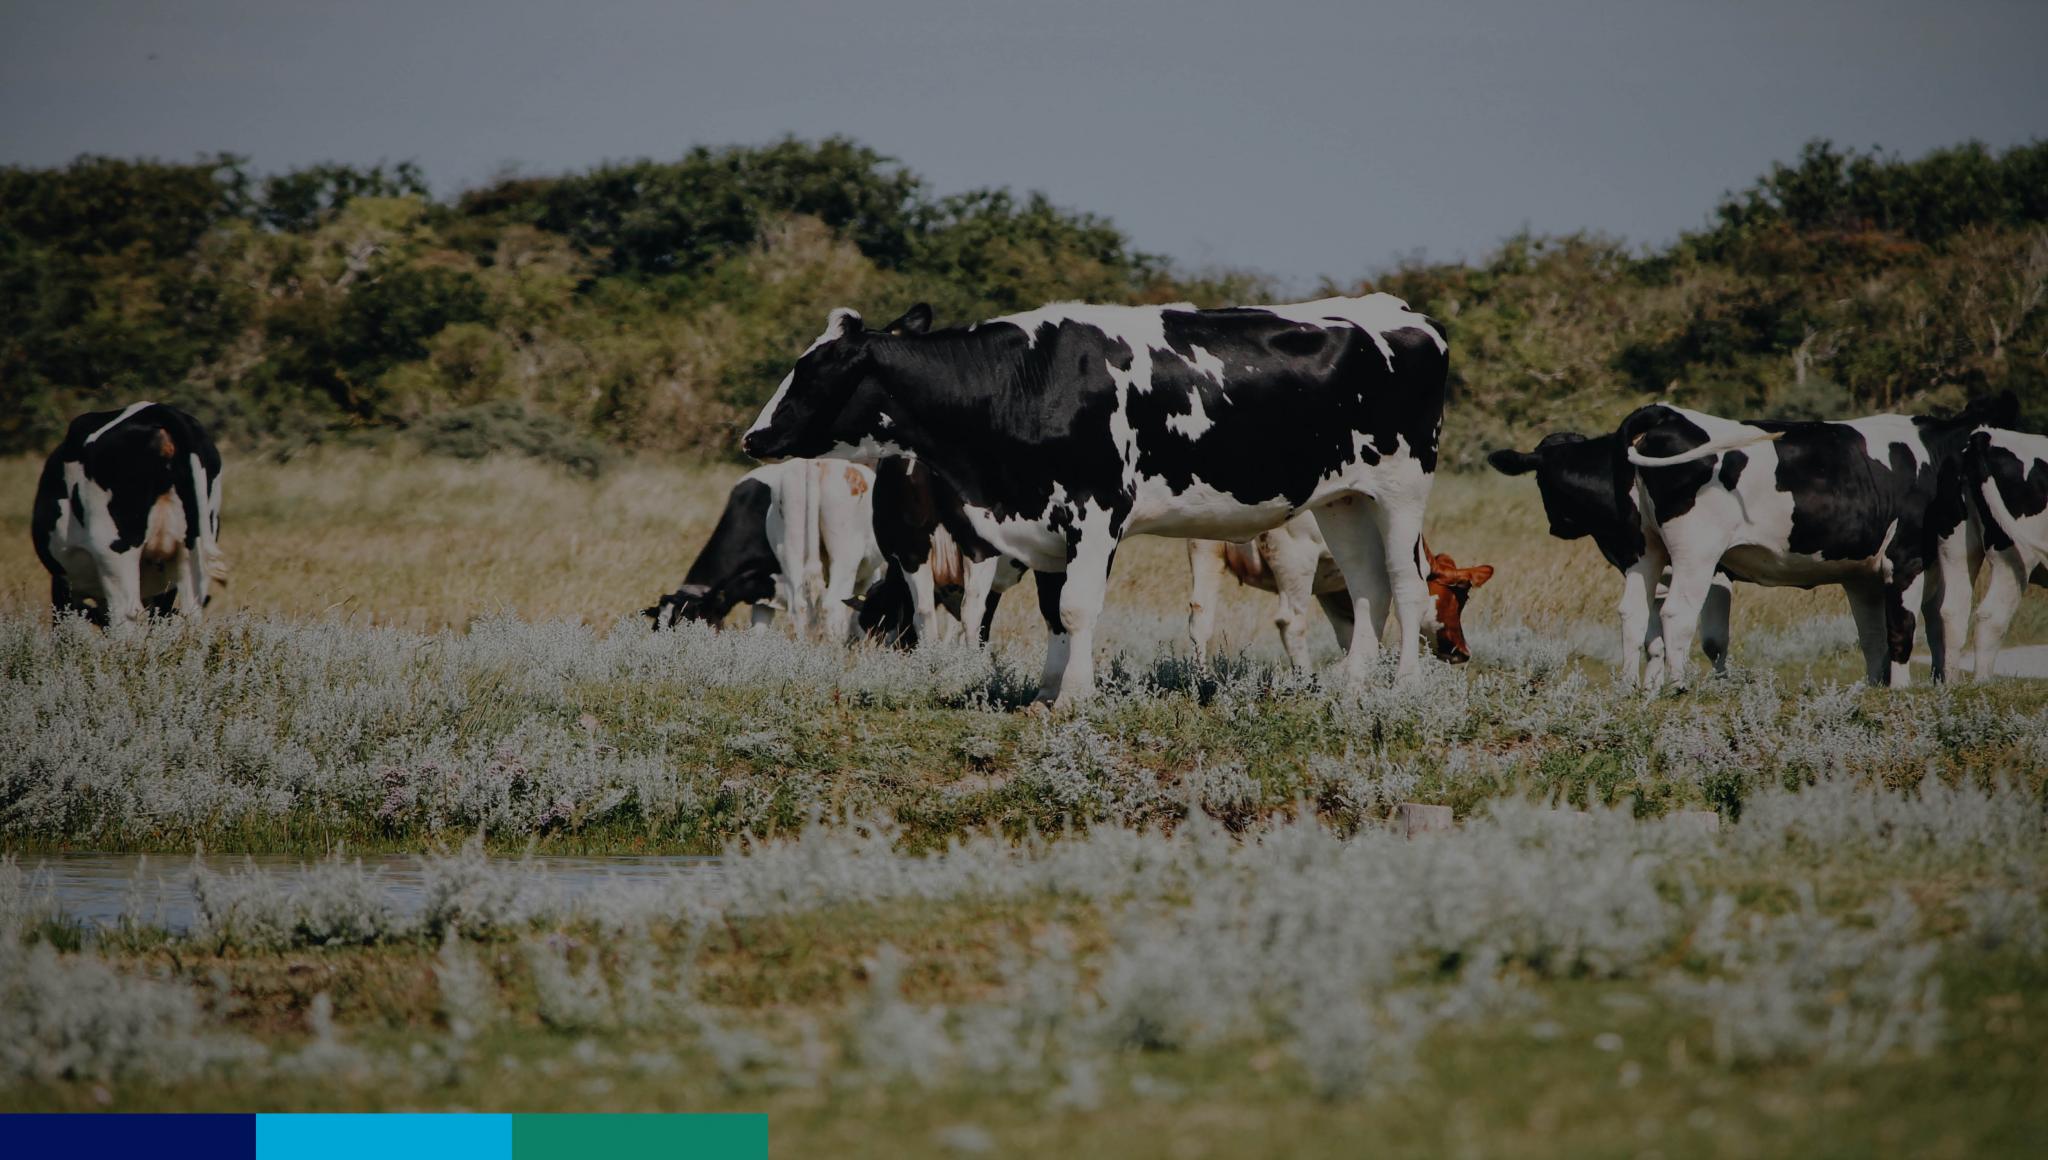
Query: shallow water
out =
(156, 890)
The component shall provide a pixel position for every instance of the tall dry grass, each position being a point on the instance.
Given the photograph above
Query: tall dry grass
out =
(396, 538)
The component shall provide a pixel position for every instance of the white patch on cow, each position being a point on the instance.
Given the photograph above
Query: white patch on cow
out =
(1881, 431)
(1205, 363)
(883, 419)
(117, 420)
(774, 401)
(1197, 421)
(869, 449)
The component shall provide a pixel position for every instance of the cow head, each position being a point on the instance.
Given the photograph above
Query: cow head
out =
(887, 612)
(1585, 484)
(698, 602)
(1449, 587)
(830, 404)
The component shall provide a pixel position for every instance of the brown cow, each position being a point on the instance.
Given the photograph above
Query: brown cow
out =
(1292, 562)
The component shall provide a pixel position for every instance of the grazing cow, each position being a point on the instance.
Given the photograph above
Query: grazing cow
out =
(1800, 504)
(799, 534)
(1067, 428)
(922, 532)
(1588, 489)
(127, 515)
(1291, 562)
(2006, 477)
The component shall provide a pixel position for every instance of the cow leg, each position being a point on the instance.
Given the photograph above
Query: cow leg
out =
(1691, 578)
(2001, 600)
(1902, 600)
(1355, 543)
(1640, 617)
(923, 600)
(978, 583)
(1292, 563)
(1947, 607)
(839, 586)
(1337, 606)
(1081, 600)
(1867, 608)
(1056, 643)
(1205, 584)
(193, 584)
(1400, 524)
(1714, 622)
(763, 615)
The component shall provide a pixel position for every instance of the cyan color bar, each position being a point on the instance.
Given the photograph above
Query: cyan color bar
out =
(383, 1136)
(89, 1136)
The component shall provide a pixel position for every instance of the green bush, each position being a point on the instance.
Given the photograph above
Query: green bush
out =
(654, 304)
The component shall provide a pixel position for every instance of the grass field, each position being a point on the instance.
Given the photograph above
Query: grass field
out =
(426, 543)
(1172, 923)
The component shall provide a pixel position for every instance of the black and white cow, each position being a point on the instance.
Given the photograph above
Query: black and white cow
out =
(935, 561)
(2006, 475)
(797, 534)
(127, 515)
(1800, 504)
(1067, 428)
(1588, 490)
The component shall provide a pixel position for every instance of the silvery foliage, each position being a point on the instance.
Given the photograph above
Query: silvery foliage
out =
(183, 725)
(469, 993)
(1348, 951)
(206, 729)
(1807, 985)
(333, 902)
(76, 1017)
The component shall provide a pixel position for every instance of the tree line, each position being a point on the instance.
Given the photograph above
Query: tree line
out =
(653, 305)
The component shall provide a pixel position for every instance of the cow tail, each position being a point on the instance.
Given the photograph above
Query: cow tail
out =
(1711, 447)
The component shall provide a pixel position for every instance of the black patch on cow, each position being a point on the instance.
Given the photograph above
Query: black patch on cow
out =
(1732, 464)
(736, 565)
(1050, 585)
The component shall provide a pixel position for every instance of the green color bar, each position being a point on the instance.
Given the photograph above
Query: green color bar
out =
(639, 1137)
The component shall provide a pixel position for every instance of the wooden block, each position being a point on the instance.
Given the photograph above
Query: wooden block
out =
(1413, 818)
(1696, 821)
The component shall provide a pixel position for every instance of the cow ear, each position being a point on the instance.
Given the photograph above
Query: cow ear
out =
(916, 320)
(1480, 575)
(854, 602)
(2000, 410)
(1508, 461)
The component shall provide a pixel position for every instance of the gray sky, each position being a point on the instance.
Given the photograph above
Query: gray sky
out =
(1295, 138)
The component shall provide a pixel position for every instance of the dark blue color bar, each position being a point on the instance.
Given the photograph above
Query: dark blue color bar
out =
(108, 1136)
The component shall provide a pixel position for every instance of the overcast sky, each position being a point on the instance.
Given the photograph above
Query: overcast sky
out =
(1299, 139)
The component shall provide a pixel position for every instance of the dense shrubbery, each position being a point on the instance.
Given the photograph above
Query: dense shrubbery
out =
(654, 304)
(1846, 284)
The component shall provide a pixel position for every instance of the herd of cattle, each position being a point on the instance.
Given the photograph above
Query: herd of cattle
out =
(912, 471)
